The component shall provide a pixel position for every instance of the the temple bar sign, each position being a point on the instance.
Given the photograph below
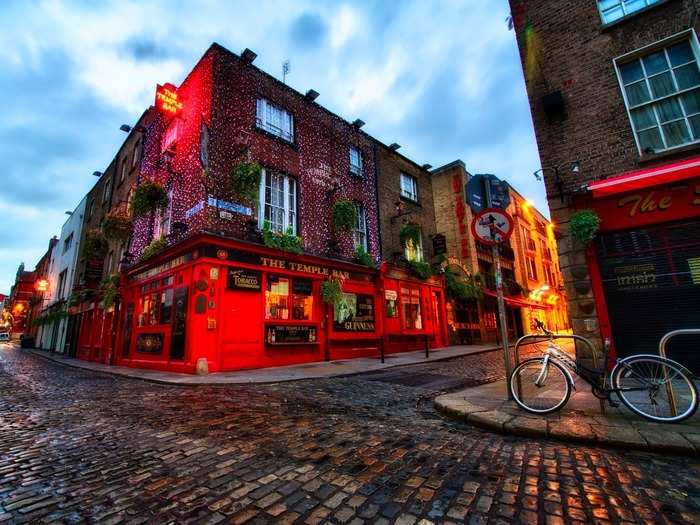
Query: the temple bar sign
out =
(167, 100)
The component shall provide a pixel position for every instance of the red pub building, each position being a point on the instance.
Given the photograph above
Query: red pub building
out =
(228, 276)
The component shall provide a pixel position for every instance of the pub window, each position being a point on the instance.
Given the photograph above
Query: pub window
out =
(278, 202)
(355, 161)
(275, 120)
(354, 313)
(661, 90)
(156, 303)
(410, 304)
(359, 232)
(288, 299)
(531, 269)
(613, 10)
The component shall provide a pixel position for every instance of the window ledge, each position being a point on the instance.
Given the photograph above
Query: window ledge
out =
(669, 153)
(410, 201)
(612, 25)
(266, 133)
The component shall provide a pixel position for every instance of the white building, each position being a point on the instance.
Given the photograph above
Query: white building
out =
(52, 336)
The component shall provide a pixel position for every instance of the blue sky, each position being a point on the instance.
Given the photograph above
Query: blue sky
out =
(441, 78)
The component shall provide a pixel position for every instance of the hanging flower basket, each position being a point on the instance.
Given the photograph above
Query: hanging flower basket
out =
(344, 216)
(149, 196)
(584, 226)
(153, 249)
(410, 232)
(117, 226)
(331, 292)
(244, 181)
(422, 270)
(94, 245)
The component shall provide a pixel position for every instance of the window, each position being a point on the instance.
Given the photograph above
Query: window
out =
(62, 283)
(548, 277)
(91, 208)
(546, 252)
(156, 306)
(122, 174)
(67, 243)
(136, 153)
(662, 93)
(107, 192)
(355, 161)
(531, 269)
(278, 202)
(354, 313)
(414, 251)
(409, 187)
(410, 302)
(282, 305)
(274, 120)
(359, 232)
(612, 10)
(529, 242)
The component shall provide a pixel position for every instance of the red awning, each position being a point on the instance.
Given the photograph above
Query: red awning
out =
(515, 301)
(639, 179)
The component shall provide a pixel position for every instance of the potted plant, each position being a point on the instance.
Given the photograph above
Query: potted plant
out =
(364, 258)
(244, 181)
(94, 245)
(153, 249)
(287, 241)
(117, 226)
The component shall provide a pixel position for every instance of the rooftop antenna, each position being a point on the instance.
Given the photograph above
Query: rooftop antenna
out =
(285, 71)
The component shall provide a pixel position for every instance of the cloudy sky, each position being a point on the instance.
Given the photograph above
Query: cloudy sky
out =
(441, 78)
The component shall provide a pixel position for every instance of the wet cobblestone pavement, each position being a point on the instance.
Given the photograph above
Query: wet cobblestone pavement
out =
(76, 447)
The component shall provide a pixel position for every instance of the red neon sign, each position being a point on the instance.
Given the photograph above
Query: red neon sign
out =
(167, 99)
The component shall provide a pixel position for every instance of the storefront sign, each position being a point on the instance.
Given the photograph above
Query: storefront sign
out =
(290, 334)
(282, 264)
(149, 343)
(240, 279)
(167, 100)
(439, 244)
(354, 313)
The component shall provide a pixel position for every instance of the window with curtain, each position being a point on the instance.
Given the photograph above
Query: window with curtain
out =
(278, 202)
(359, 232)
(612, 10)
(355, 161)
(275, 120)
(662, 93)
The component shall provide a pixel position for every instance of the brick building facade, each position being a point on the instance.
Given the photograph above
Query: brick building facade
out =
(614, 88)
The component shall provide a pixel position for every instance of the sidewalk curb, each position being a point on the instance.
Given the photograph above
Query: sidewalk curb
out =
(655, 439)
(78, 364)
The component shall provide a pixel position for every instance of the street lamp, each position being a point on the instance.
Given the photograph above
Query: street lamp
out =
(573, 167)
(126, 128)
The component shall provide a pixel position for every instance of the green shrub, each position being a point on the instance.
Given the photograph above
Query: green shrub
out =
(364, 258)
(109, 289)
(331, 292)
(422, 270)
(460, 288)
(584, 226)
(94, 245)
(153, 249)
(287, 241)
(344, 216)
(149, 196)
(244, 181)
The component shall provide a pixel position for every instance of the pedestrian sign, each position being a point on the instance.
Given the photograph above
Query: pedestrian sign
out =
(492, 226)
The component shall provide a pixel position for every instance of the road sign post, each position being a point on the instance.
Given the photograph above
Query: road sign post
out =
(494, 226)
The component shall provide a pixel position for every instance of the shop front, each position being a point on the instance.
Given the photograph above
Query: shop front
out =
(645, 263)
(218, 304)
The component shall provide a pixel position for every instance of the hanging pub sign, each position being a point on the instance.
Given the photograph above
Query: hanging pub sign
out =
(167, 100)
(240, 279)
(439, 244)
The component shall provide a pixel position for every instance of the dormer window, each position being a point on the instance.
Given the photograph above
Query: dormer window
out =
(274, 120)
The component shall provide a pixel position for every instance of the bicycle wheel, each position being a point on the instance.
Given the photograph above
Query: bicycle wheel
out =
(655, 388)
(553, 393)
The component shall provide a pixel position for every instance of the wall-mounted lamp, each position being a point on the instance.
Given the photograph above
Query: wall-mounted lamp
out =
(97, 173)
(572, 166)
(248, 56)
(358, 123)
(312, 94)
(394, 146)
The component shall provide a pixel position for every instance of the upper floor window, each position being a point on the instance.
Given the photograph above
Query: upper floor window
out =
(662, 93)
(107, 192)
(162, 227)
(359, 232)
(531, 268)
(67, 243)
(136, 153)
(274, 120)
(278, 202)
(355, 161)
(409, 187)
(612, 10)
(122, 175)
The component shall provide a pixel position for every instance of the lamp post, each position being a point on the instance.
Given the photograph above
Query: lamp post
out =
(573, 167)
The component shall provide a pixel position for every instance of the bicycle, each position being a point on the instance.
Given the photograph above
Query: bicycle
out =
(653, 387)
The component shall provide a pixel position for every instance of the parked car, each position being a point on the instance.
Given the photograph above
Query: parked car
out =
(4, 337)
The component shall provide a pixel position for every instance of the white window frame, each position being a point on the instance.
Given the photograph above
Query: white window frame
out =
(290, 196)
(359, 232)
(637, 54)
(419, 249)
(410, 195)
(355, 168)
(274, 119)
(625, 10)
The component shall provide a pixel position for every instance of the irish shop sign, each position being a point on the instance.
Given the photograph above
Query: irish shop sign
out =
(167, 100)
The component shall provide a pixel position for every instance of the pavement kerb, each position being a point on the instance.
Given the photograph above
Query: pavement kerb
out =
(657, 440)
(85, 366)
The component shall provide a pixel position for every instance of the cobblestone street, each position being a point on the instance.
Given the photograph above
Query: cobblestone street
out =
(84, 448)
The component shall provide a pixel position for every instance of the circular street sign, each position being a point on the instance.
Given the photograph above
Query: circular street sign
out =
(492, 226)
